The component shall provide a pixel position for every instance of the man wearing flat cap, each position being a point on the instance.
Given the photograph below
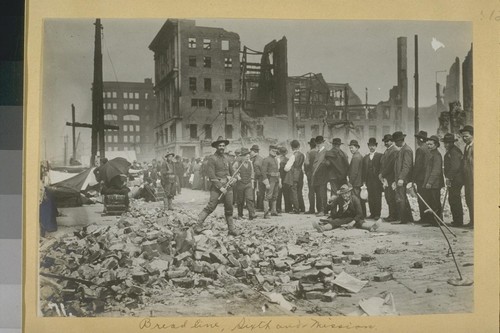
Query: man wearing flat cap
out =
(271, 180)
(371, 170)
(168, 180)
(433, 181)
(403, 168)
(468, 169)
(453, 178)
(219, 172)
(320, 177)
(421, 160)
(259, 185)
(245, 183)
(386, 176)
(345, 208)
(356, 172)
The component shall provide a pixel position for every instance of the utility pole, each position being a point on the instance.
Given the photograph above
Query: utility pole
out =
(65, 150)
(417, 125)
(73, 129)
(97, 108)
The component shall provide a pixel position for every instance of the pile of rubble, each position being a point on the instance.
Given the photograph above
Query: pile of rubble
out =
(150, 252)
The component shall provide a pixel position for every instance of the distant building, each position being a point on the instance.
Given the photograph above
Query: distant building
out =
(130, 105)
(197, 86)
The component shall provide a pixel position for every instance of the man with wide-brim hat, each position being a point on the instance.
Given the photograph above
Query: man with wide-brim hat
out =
(467, 133)
(371, 170)
(453, 178)
(219, 172)
(308, 169)
(386, 176)
(356, 172)
(259, 188)
(337, 166)
(167, 175)
(272, 181)
(419, 169)
(433, 181)
(345, 209)
(245, 183)
(403, 167)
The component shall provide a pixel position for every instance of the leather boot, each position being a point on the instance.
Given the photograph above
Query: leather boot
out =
(231, 230)
(199, 227)
(273, 209)
(266, 209)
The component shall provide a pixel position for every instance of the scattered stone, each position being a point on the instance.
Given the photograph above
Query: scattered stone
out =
(382, 277)
(355, 260)
(329, 296)
(417, 264)
(381, 250)
(314, 295)
(348, 253)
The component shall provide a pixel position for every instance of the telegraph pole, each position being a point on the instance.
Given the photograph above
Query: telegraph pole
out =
(417, 125)
(73, 129)
(97, 108)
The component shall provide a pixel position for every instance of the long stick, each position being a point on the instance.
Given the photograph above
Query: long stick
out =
(434, 213)
(232, 177)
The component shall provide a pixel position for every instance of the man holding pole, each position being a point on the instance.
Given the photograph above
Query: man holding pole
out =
(219, 172)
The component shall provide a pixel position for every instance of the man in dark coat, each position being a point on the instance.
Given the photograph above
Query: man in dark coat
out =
(259, 185)
(320, 177)
(295, 177)
(421, 160)
(403, 168)
(454, 178)
(468, 169)
(433, 181)
(219, 172)
(284, 193)
(345, 208)
(179, 173)
(168, 180)
(371, 170)
(308, 168)
(356, 172)
(386, 176)
(338, 166)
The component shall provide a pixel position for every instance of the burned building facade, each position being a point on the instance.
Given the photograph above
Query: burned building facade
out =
(197, 86)
(130, 106)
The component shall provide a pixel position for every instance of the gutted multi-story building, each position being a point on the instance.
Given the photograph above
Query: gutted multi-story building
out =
(130, 105)
(197, 87)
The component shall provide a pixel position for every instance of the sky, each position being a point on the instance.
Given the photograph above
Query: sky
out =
(361, 53)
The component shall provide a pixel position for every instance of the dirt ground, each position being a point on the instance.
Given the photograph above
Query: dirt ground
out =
(415, 290)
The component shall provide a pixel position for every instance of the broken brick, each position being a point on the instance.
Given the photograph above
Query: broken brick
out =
(149, 246)
(366, 257)
(311, 295)
(355, 260)
(178, 273)
(141, 277)
(381, 250)
(348, 253)
(183, 282)
(182, 256)
(197, 267)
(326, 271)
(233, 261)
(386, 276)
(328, 296)
(217, 257)
(306, 287)
(337, 260)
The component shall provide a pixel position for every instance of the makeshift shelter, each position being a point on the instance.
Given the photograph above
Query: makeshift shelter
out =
(67, 193)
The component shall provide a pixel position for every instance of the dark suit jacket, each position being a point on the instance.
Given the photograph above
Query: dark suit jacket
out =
(434, 171)
(257, 166)
(371, 170)
(337, 164)
(320, 172)
(356, 170)
(403, 165)
(309, 162)
(468, 164)
(387, 163)
(421, 160)
(453, 166)
(353, 211)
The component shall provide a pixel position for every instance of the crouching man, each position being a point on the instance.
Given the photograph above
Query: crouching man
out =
(345, 209)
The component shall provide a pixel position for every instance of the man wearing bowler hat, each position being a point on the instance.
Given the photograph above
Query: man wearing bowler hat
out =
(356, 172)
(272, 181)
(308, 168)
(386, 176)
(433, 181)
(468, 169)
(219, 172)
(320, 177)
(295, 177)
(419, 168)
(371, 170)
(453, 178)
(244, 185)
(403, 168)
(259, 187)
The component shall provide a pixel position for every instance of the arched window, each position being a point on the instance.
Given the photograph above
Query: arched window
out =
(131, 117)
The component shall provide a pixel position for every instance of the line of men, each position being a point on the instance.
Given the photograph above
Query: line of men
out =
(394, 172)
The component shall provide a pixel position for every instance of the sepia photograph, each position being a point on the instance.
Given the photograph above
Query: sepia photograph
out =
(244, 167)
